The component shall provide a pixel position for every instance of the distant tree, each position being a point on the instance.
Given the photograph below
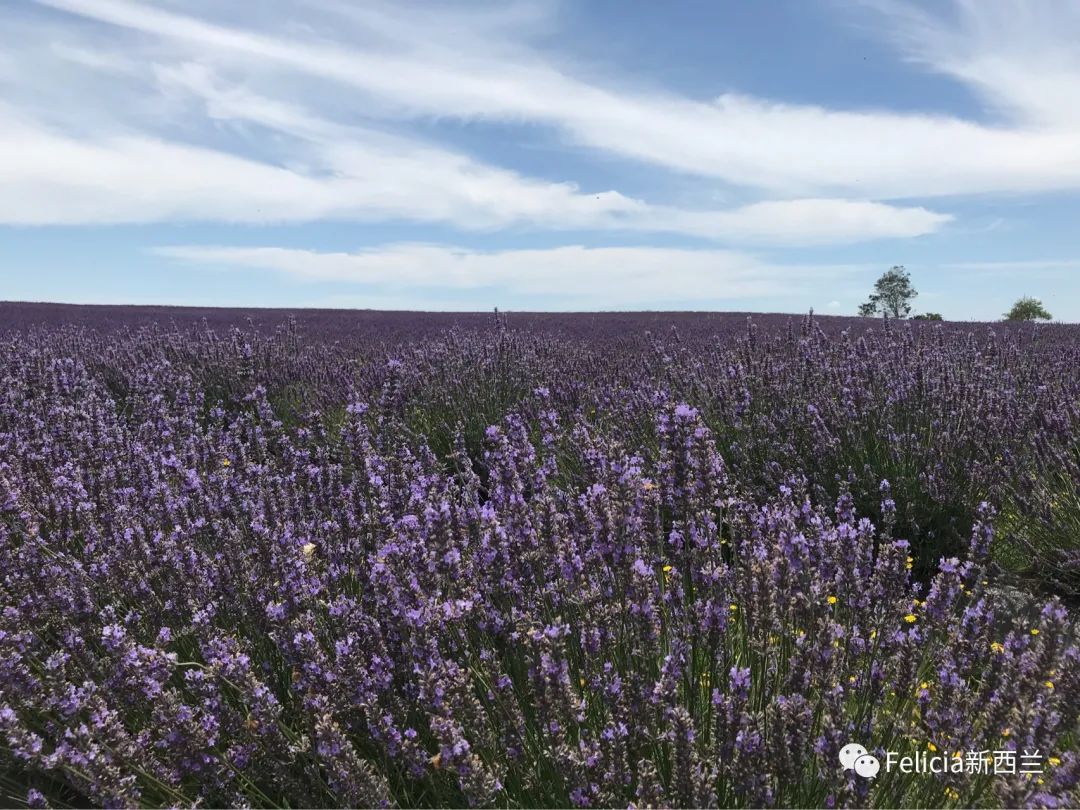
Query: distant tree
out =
(892, 294)
(1027, 309)
(868, 310)
(927, 316)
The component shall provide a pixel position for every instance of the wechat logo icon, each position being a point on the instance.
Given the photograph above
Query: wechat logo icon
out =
(856, 758)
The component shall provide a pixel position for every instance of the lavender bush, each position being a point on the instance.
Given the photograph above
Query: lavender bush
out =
(1041, 541)
(501, 567)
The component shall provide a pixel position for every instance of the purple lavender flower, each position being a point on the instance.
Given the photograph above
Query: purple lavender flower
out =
(522, 567)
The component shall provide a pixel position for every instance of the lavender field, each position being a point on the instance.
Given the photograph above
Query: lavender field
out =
(393, 559)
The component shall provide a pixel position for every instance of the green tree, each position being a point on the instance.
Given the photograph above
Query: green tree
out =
(927, 316)
(1027, 309)
(892, 294)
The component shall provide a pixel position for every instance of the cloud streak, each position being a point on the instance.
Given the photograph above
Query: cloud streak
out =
(417, 70)
(52, 179)
(574, 277)
(347, 172)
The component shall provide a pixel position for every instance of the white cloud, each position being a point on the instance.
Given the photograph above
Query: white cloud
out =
(336, 171)
(156, 115)
(809, 221)
(354, 152)
(50, 178)
(412, 67)
(581, 277)
(1019, 56)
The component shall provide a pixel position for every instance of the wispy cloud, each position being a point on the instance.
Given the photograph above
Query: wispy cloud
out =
(204, 121)
(53, 178)
(410, 68)
(578, 276)
(1019, 56)
(122, 112)
(328, 170)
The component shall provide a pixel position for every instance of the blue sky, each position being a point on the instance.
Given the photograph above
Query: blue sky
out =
(540, 155)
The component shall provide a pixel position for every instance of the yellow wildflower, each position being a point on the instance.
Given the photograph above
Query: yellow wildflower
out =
(1034, 631)
(832, 600)
(997, 647)
(225, 463)
(1049, 684)
(667, 569)
(931, 746)
(910, 618)
(1054, 761)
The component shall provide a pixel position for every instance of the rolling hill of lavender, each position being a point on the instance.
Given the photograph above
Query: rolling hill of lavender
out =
(340, 559)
